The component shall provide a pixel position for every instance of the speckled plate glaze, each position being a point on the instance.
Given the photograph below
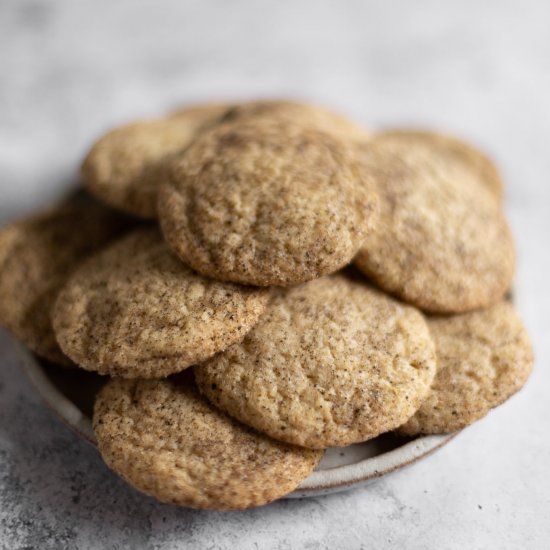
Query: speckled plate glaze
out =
(70, 394)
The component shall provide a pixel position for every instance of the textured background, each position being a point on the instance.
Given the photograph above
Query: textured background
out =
(69, 70)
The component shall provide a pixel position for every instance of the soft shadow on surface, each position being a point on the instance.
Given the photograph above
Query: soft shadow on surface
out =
(352, 454)
(78, 385)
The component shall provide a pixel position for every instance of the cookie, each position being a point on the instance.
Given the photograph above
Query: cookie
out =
(483, 357)
(330, 363)
(266, 203)
(452, 150)
(134, 310)
(299, 113)
(125, 166)
(168, 442)
(37, 254)
(442, 242)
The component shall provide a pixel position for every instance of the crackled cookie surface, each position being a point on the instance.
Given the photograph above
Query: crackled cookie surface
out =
(483, 358)
(266, 203)
(441, 242)
(168, 442)
(454, 151)
(124, 168)
(332, 362)
(37, 254)
(135, 310)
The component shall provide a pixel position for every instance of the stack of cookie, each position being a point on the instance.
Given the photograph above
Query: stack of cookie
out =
(308, 285)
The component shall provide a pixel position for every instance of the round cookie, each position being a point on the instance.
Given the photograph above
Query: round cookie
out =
(442, 242)
(299, 113)
(331, 362)
(454, 150)
(266, 203)
(168, 442)
(37, 254)
(125, 166)
(483, 357)
(134, 310)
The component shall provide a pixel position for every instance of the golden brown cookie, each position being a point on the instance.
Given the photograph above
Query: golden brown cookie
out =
(37, 254)
(125, 167)
(135, 310)
(442, 242)
(266, 203)
(332, 362)
(299, 113)
(168, 442)
(454, 151)
(483, 358)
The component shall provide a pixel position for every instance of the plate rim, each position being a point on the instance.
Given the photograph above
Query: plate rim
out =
(321, 482)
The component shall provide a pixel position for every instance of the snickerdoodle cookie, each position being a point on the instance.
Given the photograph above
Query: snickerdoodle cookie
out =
(124, 168)
(483, 358)
(455, 151)
(167, 441)
(331, 362)
(135, 310)
(37, 254)
(441, 241)
(267, 202)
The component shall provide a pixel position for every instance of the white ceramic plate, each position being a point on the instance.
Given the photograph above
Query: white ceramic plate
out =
(70, 394)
